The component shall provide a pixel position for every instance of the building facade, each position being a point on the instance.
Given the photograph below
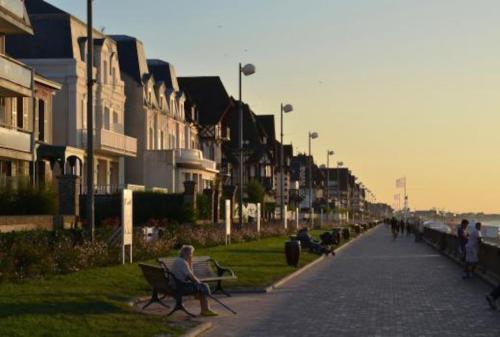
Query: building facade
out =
(165, 125)
(16, 92)
(58, 50)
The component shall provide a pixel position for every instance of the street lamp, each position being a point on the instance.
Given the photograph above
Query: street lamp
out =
(328, 154)
(246, 70)
(312, 135)
(90, 124)
(285, 108)
(339, 165)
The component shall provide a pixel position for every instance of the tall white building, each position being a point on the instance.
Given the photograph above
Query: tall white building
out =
(58, 51)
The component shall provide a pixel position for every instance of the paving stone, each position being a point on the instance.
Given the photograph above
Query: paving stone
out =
(375, 287)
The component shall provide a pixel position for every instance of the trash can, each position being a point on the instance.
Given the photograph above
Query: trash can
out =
(292, 253)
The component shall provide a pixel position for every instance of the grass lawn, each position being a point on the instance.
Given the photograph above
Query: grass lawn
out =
(94, 302)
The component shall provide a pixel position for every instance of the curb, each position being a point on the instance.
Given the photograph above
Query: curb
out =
(296, 273)
(490, 280)
(198, 330)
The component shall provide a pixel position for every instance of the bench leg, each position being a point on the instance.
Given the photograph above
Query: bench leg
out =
(181, 307)
(155, 299)
(218, 288)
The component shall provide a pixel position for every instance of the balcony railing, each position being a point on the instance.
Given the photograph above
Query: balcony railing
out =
(15, 140)
(14, 18)
(15, 77)
(110, 141)
(194, 157)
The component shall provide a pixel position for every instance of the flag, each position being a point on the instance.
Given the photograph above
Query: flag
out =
(401, 182)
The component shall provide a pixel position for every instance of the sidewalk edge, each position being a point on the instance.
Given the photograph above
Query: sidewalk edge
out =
(198, 330)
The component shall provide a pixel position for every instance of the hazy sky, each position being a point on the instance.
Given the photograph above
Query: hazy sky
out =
(395, 87)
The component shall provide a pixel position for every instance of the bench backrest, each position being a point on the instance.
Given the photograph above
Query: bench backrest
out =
(202, 266)
(155, 276)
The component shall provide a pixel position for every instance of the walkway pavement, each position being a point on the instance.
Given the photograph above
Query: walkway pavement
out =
(375, 287)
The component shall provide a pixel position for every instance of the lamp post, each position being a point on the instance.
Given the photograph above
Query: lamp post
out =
(90, 123)
(246, 70)
(339, 165)
(328, 154)
(285, 108)
(312, 135)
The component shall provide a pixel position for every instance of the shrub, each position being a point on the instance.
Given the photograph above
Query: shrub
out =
(255, 192)
(203, 207)
(27, 200)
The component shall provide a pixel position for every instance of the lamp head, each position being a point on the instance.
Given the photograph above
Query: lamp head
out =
(313, 135)
(331, 153)
(248, 69)
(287, 108)
(340, 163)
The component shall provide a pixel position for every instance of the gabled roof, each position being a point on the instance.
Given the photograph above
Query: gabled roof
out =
(267, 124)
(42, 7)
(164, 72)
(132, 57)
(52, 37)
(210, 96)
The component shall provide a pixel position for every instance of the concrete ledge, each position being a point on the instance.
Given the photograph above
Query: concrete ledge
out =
(198, 330)
(485, 276)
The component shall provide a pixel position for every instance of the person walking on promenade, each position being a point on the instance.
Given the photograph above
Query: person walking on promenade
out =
(394, 228)
(462, 238)
(472, 251)
(402, 227)
(408, 228)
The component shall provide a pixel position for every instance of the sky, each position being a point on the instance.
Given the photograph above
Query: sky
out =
(395, 87)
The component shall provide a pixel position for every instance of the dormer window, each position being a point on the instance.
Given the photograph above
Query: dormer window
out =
(150, 97)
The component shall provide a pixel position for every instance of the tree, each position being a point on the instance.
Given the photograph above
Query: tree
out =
(255, 192)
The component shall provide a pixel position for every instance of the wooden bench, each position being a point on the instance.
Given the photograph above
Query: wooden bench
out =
(203, 268)
(163, 282)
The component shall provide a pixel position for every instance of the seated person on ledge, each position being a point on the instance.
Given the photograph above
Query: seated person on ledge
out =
(183, 271)
(308, 242)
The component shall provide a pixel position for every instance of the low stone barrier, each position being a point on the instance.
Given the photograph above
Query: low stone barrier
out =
(17, 223)
(489, 253)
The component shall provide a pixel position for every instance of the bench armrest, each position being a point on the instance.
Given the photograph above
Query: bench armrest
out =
(221, 270)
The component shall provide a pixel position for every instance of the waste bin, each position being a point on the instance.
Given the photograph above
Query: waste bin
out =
(292, 253)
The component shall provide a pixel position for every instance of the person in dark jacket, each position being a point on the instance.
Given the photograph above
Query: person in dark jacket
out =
(462, 238)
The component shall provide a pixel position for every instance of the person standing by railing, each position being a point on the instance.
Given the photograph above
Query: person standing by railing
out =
(472, 251)
(462, 238)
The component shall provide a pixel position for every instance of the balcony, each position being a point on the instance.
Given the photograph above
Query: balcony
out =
(193, 158)
(112, 142)
(15, 77)
(14, 18)
(13, 139)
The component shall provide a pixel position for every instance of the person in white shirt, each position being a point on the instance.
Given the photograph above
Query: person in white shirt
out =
(182, 269)
(472, 251)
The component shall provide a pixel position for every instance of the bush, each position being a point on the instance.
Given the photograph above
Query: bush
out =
(27, 200)
(37, 254)
(255, 192)
(203, 207)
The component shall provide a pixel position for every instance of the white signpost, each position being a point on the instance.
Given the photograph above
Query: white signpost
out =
(258, 217)
(297, 215)
(127, 223)
(285, 217)
(228, 221)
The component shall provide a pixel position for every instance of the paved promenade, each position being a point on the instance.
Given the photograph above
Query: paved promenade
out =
(375, 287)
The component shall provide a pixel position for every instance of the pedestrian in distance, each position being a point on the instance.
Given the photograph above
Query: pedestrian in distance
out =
(408, 228)
(462, 238)
(472, 251)
(394, 228)
(402, 226)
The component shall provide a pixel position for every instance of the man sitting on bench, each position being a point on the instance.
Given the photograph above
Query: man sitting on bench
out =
(183, 271)
(315, 247)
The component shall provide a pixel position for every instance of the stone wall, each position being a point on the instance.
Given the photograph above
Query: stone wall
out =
(35, 222)
(489, 254)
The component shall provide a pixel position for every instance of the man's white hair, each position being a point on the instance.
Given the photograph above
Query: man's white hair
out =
(185, 251)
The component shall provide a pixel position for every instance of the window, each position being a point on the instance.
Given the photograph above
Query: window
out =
(41, 120)
(150, 97)
(20, 112)
(106, 118)
(3, 116)
(105, 72)
(161, 140)
(151, 139)
(116, 122)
